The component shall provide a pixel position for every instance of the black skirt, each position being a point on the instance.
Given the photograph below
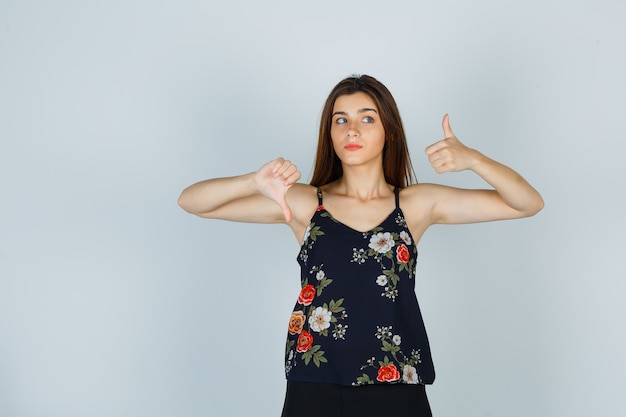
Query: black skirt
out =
(313, 399)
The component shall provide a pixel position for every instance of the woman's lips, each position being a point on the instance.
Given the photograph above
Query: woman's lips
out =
(352, 147)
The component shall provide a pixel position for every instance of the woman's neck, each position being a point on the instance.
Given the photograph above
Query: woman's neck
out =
(362, 183)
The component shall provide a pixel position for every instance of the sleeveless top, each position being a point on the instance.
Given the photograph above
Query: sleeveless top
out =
(357, 320)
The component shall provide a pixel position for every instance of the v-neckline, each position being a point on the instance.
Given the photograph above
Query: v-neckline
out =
(396, 209)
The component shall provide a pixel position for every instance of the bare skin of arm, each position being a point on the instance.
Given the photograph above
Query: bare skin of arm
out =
(272, 194)
(269, 195)
(512, 196)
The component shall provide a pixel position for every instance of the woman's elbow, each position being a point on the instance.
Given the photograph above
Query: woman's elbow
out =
(536, 207)
(185, 203)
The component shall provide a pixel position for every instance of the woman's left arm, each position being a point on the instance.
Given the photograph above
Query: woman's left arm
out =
(512, 196)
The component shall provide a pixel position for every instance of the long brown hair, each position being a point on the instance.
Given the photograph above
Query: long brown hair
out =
(396, 160)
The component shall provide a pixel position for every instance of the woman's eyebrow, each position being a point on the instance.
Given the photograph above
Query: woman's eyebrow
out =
(363, 110)
(366, 109)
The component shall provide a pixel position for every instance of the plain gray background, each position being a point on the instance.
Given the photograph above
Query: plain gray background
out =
(114, 302)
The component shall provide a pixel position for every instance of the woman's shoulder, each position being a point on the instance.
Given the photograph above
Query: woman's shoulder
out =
(417, 202)
(420, 196)
(302, 198)
(302, 191)
(419, 190)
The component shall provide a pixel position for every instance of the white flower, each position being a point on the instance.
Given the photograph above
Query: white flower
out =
(381, 242)
(390, 293)
(320, 275)
(340, 332)
(416, 356)
(405, 237)
(409, 375)
(396, 340)
(383, 332)
(320, 319)
(381, 280)
(359, 256)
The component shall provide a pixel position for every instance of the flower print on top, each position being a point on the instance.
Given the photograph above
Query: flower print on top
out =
(296, 322)
(388, 373)
(409, 375)
(381, 242)
(320, 319)
(390, 250)
(406, 238)
(312, 323)
(402, 254)
(307, 294)
(387, 369)
(311, 234)
(370, 275)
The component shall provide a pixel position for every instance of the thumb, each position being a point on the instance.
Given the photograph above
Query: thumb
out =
(286, 210)
(287, 213)
(447, 130)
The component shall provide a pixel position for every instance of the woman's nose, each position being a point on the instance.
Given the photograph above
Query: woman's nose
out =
(353, 129)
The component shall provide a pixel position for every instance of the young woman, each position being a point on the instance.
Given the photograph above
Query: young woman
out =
(356, 343)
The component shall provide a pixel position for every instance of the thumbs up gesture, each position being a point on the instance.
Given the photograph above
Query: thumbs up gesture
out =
(449, 154)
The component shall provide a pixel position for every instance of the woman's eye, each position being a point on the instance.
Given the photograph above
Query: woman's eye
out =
(341, 120)
(368, 119)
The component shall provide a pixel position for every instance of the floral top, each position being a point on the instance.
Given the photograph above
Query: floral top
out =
(357, 320)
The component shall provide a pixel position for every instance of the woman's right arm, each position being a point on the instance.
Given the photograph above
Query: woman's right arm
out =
(258, 197)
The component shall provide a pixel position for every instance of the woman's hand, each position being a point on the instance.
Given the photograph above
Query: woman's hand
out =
(274, 179)
(449, 154)
(511, 197)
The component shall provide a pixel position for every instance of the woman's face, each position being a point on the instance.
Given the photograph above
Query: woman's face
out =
(356, 130)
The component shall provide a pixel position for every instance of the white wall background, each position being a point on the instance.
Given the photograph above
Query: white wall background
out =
(114, 302)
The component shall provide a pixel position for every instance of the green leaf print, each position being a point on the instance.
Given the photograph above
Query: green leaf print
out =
(315, 232)
(385, 362)
(316, 354)
(363, 380)
(318, 358)
(391, 274)
(323, 284)
(390, 347)
(335, 306)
